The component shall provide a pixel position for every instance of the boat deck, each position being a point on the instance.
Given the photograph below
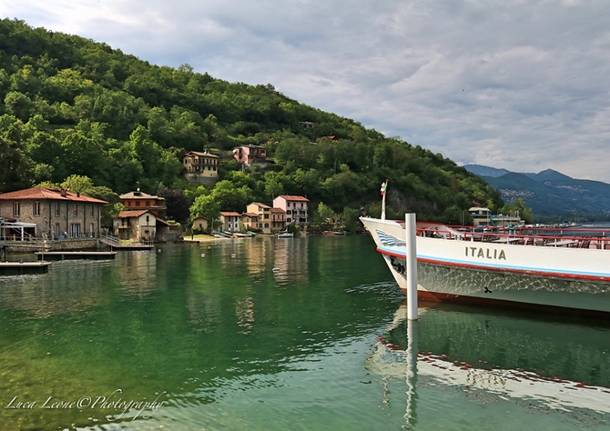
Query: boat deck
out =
(596, 239)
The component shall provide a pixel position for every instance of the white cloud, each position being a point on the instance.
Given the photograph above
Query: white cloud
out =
(517, 84)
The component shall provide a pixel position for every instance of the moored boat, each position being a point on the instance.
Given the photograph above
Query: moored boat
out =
(571, 271)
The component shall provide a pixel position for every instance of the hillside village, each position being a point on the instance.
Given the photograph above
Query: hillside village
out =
(56, 214)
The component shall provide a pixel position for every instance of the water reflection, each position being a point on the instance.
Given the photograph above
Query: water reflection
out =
(59, 291)
(137, 273)
(536, 366)
(290, 260)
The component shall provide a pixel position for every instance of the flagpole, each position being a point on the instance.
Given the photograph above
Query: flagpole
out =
(384, 188)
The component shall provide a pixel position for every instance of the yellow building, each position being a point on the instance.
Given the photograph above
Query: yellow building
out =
(201, 167)
(249, 221)
(264, 215)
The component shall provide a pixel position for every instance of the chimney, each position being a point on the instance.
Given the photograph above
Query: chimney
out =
(78, 194)
(63, 193)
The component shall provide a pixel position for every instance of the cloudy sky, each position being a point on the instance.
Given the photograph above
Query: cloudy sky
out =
(522, 84)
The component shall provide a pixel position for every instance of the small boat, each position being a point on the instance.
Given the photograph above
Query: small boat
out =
(285, 235)
(568, 269)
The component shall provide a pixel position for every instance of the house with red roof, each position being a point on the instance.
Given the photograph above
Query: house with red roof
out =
(139, 200)
(136, 225)
(295, 207)
(56, 214)
(230, 221)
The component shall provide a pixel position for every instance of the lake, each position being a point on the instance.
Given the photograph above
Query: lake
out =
(277, 334)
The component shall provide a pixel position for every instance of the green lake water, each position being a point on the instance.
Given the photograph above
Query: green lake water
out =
(271, 334)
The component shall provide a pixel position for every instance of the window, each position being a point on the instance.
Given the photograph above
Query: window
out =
(57, 209)
(147, 219)
(75, 210)
(36, 209)
(75, 230)
(92, 210)
(16, 209)
(92, 229)
(137, 203)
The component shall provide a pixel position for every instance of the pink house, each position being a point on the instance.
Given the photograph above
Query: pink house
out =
(295, 208)
(250, 154)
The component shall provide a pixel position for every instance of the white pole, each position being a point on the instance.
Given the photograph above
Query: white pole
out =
(411, 256)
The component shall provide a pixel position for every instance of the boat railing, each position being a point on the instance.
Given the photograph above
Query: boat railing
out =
(593, 242)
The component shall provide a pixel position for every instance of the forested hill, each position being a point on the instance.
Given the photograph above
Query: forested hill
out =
(73, 106)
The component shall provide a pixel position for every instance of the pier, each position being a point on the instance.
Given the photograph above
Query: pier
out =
(21, 268)
(72, 255)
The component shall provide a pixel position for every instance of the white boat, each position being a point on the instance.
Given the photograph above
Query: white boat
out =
(285, 235)
(522, 269)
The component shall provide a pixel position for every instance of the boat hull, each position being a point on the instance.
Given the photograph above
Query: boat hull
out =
(515, 275)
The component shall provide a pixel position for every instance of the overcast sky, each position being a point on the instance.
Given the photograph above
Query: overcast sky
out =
(523, 85)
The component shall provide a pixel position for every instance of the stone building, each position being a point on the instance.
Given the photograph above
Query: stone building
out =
(136, 225)
(56, 214)
(201, 167)
(200, 224)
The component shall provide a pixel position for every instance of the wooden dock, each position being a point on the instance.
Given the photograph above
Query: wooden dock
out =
(21, 268)
(65, 255)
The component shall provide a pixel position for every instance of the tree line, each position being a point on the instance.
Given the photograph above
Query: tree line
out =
(71, 106)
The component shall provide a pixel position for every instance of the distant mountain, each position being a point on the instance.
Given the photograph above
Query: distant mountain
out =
(485, 171)
(549, 193)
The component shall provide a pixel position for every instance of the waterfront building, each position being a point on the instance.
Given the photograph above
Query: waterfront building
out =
(249, 221)
(230, 221)
(278, 220)
(264, 215)
(200, 225)
(139, 200)
(295, 208)
(51, 213)
(201, 167)
(144, 226)
(247, 155)
(136, 225)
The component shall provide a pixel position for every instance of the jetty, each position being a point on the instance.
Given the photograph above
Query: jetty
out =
(66, 255)
(116, 244)
(21, 268)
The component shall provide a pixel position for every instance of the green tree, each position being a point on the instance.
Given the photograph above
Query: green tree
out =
(18, 104)
(207, 207)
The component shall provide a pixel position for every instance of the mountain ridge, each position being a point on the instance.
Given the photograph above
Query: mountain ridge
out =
(550, 193)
